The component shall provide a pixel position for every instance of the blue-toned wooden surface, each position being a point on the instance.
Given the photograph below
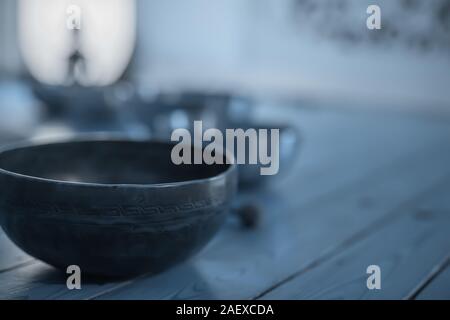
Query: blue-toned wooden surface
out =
(368, 188)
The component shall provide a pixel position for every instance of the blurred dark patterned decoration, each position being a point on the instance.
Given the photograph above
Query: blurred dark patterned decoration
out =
(418, 24)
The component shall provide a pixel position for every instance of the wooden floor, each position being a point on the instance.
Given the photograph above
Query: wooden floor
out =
(369, 188)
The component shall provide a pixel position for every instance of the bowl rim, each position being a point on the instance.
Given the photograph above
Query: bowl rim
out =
(232, 167)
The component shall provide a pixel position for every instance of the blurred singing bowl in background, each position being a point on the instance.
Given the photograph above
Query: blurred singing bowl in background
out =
(288, 146)
(83, 109)
(112, 207)
(170, 111)
(222, 111)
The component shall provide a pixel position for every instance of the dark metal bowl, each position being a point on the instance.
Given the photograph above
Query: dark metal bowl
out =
(112, 207)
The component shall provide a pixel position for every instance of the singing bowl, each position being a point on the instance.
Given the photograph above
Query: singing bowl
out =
(112, 207)
(168, 112)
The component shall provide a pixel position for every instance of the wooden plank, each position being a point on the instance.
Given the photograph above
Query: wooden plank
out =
(406, 249)
(332, 155)
(241, 264)
(40, 281)
(338, 148)
(436, 282)
(319, 127)
(169, 292)
(439, 286)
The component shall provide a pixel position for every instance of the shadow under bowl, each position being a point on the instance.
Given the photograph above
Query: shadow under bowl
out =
(112, 207)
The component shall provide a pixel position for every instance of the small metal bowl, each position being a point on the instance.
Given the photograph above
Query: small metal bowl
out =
(288, 145)
(112, 207)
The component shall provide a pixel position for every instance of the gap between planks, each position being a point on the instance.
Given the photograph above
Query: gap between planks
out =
(364, 233)
(434, 273)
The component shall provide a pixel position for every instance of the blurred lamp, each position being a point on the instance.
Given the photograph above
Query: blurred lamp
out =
(104, 41)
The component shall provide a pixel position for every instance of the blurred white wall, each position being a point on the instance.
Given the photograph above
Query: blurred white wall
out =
(256, 46)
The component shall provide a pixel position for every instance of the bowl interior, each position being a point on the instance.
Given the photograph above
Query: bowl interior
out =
(105, 162)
